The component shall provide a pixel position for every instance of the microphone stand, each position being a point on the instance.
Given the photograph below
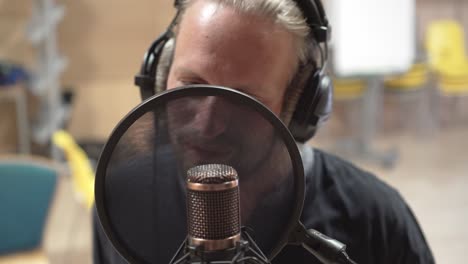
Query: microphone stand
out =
(325, 249)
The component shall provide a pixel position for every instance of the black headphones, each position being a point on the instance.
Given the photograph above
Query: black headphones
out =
(315, 103)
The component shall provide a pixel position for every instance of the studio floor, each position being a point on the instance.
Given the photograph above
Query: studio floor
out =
(431, 173)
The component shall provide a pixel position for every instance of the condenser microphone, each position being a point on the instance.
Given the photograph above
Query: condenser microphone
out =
(214, 228)
(213, 207)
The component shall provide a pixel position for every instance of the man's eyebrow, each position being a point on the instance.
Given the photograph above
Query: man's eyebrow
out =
(185, 72)
(182, 70)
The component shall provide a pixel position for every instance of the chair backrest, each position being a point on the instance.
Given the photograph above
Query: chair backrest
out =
(26, 191)
(415, 78)
(348, 89)
(80, 166)
(445, 45)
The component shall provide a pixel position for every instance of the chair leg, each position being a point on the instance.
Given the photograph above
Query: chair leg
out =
(424, 115)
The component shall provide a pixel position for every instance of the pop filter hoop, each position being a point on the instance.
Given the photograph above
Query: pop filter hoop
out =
(197, 90)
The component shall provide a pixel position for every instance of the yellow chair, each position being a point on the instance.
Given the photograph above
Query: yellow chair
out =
(348, 89)
(347, 94)
(81, 169)
(445, 46)
(358, 106)
(413, 99)
(454, 85)
(414, 79)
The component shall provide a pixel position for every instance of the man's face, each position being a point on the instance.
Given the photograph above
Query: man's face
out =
(217, 45)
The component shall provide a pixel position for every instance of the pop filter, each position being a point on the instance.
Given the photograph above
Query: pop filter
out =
(140, 185)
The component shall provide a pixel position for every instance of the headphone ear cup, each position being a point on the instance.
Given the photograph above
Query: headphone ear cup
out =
(145, 79)
(313, 108)
(324, 100)
(164, 65)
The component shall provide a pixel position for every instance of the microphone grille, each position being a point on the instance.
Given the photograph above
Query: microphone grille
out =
(212, 174)
(213, 215)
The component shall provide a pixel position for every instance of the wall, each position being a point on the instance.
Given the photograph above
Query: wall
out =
(105, 42)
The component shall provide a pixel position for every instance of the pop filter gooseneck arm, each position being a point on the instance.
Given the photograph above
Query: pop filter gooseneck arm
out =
(325, 249)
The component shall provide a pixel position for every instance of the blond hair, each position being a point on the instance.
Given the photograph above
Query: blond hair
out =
(285, 13)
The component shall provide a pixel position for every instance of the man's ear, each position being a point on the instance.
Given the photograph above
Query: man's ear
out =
(165, 61)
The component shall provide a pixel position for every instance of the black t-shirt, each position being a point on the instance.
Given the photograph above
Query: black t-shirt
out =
(359, 210)
(345, 203)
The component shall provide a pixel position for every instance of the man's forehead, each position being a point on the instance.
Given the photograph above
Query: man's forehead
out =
(214, 15)
(209, 23)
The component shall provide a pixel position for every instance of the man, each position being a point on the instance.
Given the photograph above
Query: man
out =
(257, 47)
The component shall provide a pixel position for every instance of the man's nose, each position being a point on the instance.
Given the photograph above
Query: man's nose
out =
(212, 117)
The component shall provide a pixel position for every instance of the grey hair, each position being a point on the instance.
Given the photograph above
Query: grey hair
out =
(285, 13)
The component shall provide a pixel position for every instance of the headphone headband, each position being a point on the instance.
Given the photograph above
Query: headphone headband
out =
(314, 14)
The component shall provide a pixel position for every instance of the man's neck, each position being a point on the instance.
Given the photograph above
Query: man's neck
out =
(307, 155)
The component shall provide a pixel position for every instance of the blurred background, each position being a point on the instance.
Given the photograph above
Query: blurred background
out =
(400, 70)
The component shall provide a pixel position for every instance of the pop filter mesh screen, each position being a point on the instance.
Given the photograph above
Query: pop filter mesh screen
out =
(141, 178)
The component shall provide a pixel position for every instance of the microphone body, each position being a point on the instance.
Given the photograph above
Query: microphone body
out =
(213, 207)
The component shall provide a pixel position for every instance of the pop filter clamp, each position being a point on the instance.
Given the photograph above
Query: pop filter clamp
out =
(324, 248)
